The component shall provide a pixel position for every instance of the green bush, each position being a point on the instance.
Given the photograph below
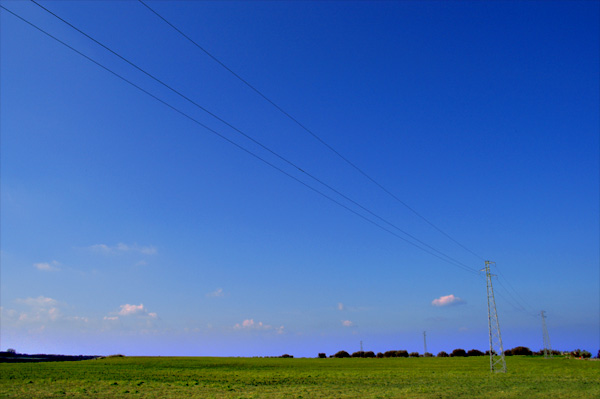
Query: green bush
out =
(474, 352)
(458, 353)
(341, 354)
(402, 353)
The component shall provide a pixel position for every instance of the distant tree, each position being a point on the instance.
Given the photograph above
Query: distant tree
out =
(581, 353)
(358, 354)
(442, 354)
(390, 354)
(369, 354)
(427, 354)
(519, 351)
(341, 354)
(458, 353)
(380, 355)
(286, 355)
(474, 352)
(598, 355)
(11, 351)
(402, 353)
(414, 354)
(487, 353)
(322, 356)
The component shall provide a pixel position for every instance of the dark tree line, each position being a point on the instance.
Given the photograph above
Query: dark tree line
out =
(459, 352)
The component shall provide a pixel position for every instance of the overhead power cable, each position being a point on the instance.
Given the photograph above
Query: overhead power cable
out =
(449, 259)
(466, 268)
(309, 131)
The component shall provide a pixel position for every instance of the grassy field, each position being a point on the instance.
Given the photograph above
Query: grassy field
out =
(197, 377)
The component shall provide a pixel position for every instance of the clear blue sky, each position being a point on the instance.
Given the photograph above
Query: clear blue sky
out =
(127, 228)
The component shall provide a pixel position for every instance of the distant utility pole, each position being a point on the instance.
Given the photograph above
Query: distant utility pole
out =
(424, 342)
(361, 349)
(497, 361)
(547, 346)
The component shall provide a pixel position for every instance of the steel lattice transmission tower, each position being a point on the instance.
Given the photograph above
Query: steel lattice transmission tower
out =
(497, 361)
(547, 346)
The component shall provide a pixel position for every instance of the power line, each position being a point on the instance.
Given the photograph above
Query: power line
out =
(466, 268)
(522, 300)
(513, 301)
(319, 139)
(450, 259)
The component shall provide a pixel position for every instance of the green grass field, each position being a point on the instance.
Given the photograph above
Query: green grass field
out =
(197, 377)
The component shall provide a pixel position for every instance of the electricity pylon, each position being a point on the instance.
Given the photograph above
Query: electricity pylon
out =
(424, 342)
(547, 346)
(497, 361)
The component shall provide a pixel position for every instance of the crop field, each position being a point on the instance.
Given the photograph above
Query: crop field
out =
(203, 377)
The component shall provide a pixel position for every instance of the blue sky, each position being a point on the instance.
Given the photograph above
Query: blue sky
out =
(128, 228)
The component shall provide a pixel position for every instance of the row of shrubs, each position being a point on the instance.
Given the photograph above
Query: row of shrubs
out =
(517, 351)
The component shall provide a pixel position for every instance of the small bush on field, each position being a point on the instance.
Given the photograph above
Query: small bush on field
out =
(402, 353)
(390, 354)
(370, 354)
(442, 354)
(358, 354)
(518, 351)
(380, 355)
(341, 354)
(581, 353)
(427, 354)
(414, 354)
(458, 353)
(322, 356)
(474, 352)
(287, 356)
(116, 355)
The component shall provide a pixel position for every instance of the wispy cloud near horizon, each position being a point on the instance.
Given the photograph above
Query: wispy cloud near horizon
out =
(218, 293)
(249, 324)
(123, 248)
(47, 267)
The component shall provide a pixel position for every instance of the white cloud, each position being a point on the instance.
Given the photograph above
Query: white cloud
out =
(340, 306)
(47, 267)
(128, 310)
(135, 310)
(122, 248)
(100, 248)
(39, 302)
(216, 293)
(40, 309)
(250, 324)
(347, 323)
(447, 300)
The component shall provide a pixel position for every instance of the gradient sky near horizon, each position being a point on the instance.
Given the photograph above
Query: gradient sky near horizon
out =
(128, 228)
